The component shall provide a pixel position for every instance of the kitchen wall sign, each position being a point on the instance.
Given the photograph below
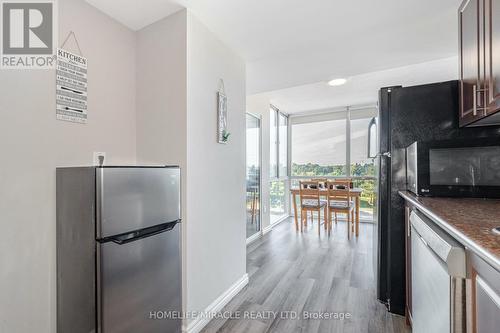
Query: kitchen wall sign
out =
(71, 85)
(222, 132)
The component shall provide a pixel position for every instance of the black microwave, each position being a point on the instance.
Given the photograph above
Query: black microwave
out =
(454, 168)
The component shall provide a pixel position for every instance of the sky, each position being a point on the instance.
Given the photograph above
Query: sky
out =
(324, 142)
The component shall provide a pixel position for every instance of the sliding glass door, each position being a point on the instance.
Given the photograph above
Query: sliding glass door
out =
(253, 161)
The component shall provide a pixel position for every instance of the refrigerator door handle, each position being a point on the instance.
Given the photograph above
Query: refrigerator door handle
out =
(132, 236)
(386, 154)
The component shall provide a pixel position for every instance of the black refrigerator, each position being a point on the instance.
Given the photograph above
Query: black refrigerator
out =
(408, 114)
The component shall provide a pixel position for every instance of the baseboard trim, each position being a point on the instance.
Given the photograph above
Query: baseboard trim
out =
(267, 229)
(198, 324)
(270, 227)
(254, 237)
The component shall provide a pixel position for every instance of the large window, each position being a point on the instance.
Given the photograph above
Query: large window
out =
(278, 198)
(319, 148)
(362, 167)
(253, 175)
(335, 145)
(273, 141)
(283, 145)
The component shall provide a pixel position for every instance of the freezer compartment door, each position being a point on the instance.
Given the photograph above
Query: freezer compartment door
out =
(131, 198)
(139, 284)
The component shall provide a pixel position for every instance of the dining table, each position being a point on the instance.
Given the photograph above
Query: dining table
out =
(354, 193)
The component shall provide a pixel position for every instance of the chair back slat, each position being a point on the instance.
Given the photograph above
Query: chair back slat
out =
(349, 180)
(339, 190)
(309, 190)
(321, 181)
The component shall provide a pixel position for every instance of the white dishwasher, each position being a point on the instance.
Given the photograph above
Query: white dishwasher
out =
(438, 279)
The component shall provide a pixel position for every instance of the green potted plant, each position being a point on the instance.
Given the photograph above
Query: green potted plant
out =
(225, 136)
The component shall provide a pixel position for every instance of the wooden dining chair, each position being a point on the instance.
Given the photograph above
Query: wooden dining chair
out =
(321, 181)
(310, 202)
(349, 180)
(339, 201)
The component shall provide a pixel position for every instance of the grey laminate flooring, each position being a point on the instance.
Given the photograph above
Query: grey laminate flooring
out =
(291, 271)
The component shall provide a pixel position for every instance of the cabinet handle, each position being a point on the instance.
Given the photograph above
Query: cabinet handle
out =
(474, 100)
(475, 91)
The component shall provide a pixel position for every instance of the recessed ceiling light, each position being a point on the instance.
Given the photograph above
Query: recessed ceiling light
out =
(337, 82)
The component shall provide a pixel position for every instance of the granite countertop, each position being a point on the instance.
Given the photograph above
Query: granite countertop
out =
(469, 220)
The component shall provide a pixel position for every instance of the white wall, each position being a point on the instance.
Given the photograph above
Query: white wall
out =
(179, 64)
(161, 91)
(216, 250)
(162, 101)
(33, 143)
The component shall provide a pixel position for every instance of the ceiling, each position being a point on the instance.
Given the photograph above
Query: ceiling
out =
(287, 43)
(136, 14)
(360, 90)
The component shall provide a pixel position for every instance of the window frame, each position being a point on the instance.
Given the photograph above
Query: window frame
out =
(276, 114)
(285, 179)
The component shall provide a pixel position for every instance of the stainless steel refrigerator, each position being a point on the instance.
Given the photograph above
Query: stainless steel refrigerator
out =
(118, 249)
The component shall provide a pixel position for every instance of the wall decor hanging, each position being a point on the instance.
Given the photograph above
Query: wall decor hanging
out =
(222, 132)
(71, 84)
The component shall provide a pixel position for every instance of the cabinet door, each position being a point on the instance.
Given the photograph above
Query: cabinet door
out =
(470, 61)
(492, 49)
(485, 297)
(487, 307)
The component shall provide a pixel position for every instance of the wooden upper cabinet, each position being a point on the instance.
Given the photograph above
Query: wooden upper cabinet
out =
(469, 60)
(479, 42)
(492, 50)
